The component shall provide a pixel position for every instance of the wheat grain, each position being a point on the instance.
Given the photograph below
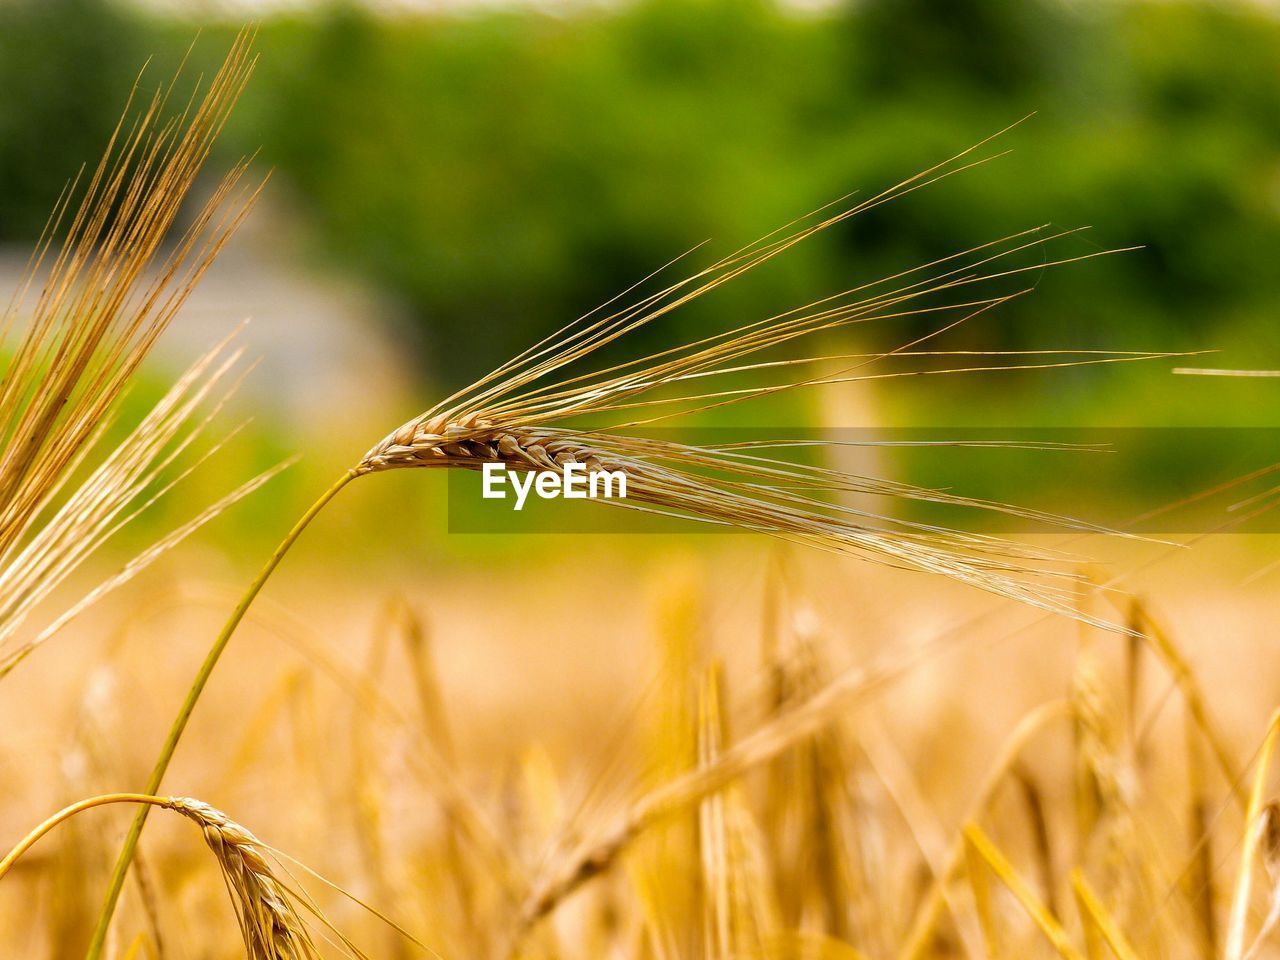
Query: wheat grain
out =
(270, 925)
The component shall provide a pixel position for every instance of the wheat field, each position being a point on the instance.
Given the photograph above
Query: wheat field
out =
(841, 734)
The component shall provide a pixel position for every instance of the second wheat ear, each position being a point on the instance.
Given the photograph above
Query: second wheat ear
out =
(537, 413)
(271, 926)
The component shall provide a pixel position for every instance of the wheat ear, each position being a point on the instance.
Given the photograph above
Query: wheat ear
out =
(97, 314)
(129, 848)
(513, 415)
(269, 923)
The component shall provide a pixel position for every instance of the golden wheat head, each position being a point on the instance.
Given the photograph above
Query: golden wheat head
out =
(270, 925)
(516, 415)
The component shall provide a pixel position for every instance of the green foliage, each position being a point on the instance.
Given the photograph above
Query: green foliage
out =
(66, 67)
(505, 172)
(501, 172)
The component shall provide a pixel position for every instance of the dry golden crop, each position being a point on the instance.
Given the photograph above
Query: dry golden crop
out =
(749, 805)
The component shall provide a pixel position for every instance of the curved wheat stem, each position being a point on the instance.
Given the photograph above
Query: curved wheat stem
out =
(269, 923)
(129, 849)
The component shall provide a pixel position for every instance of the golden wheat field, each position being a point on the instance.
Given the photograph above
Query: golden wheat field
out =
(841, 732)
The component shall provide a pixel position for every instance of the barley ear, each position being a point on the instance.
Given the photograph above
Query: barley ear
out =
(269, 923)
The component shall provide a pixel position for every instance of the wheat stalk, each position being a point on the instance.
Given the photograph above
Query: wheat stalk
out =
(514, 416)
(731, 484)
(109, 290)
(109, 274)
(1256, 837)
(97, 314)
(599, 853)
(270, 924)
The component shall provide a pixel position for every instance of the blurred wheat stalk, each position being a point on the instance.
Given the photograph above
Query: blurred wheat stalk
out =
(108, 288)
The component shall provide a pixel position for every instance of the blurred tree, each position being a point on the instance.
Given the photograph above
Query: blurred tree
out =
(994, 47)
(66, 67)
(504, 171)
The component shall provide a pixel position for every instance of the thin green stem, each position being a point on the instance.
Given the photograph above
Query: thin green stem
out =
(130, 847)
(66, 813)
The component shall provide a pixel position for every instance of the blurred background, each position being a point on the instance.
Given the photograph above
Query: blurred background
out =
(452, 182)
